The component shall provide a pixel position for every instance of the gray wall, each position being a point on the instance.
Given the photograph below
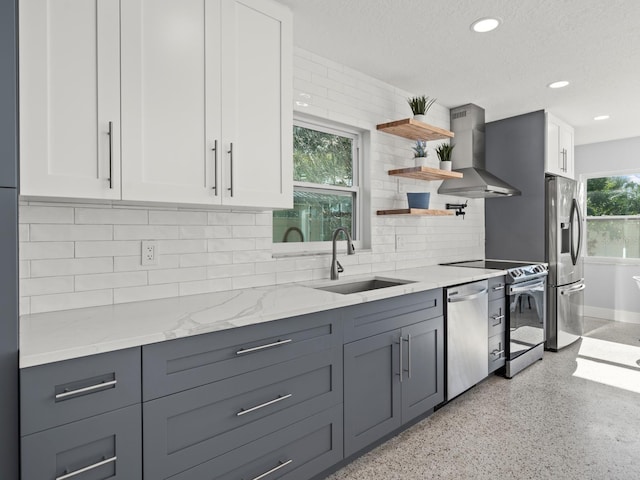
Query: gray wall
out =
(611, 292)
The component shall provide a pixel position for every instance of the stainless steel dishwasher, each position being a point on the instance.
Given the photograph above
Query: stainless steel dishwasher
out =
(467, 336)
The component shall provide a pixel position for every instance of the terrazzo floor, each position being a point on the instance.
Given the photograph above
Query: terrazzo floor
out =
(573, 415)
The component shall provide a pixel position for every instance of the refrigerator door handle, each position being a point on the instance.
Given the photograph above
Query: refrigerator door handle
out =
(575, 211)
(575, 289)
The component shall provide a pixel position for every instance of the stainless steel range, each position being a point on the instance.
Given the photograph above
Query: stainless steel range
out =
(526, 312)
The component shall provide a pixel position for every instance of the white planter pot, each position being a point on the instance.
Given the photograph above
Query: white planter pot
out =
(420, 118)
(445, 166)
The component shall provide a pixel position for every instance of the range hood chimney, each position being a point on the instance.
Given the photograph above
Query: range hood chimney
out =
(468, 158)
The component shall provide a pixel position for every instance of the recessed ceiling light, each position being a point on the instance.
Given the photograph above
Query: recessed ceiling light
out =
(301, 104)
(560, 84)
(304, 95)
(484, 25)
(601, 117)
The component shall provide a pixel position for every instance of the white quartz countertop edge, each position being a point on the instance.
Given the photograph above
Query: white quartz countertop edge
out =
(63, 335)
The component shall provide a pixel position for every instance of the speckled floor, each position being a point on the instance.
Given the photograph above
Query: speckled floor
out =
(559, 419)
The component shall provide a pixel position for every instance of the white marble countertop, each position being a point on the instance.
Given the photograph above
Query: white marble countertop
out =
(55, 336)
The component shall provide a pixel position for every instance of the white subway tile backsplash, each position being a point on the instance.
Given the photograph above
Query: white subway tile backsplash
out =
(110, 216)
(42, 250)
(52, 233)
(74, 255)
(72, 266)
(110, 280)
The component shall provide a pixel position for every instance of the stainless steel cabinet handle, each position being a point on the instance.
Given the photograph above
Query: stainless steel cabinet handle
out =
(110, 154)
(464, 298)
(262, 347)
(86, 389)
(262, 405)
(408, 370)
(497, 318)
(498, 287)
(400, 340)
(573, 290)
(215, 168)
(275, 469)
(230, 152)
(86, 469)
(497, 353)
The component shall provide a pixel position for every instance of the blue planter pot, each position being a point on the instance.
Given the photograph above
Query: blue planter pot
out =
(419, 200)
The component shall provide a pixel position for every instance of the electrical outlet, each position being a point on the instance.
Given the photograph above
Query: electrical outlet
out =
(149, 252)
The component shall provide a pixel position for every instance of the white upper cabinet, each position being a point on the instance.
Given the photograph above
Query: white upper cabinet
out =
(559, 151)
(205, 90)
(256, 104)
(170, 99)
(70, 98)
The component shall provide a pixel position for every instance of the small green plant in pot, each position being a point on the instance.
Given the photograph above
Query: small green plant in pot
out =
(420, 153)
(420, 106)
(444, 155)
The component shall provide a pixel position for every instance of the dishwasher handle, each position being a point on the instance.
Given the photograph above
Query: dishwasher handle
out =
(465, 298)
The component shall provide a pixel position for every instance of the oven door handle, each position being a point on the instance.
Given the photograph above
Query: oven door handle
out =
(538, 285)
(572, 290)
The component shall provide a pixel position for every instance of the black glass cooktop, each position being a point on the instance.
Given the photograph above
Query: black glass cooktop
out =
(490, 264)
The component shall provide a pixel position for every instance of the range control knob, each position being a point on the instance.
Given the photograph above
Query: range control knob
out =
(516, 272)
(539, 268)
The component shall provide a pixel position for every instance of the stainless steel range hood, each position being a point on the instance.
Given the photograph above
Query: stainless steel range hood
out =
(467, 122)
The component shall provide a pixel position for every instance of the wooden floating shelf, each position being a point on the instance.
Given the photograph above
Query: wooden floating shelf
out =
(414, 130)
(425, 173)
(416, 211)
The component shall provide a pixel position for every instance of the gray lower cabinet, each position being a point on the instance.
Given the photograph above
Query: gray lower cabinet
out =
(106, 446)
(195, 426)
(391, 378)
(497, 323)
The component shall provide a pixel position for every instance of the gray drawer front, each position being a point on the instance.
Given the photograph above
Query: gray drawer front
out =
(93, 442)
(178, 365)
(497, 317)
(371, 318)
(195, 426)
(496, 352)
(39, 386)
(496, 288)
(310, 446)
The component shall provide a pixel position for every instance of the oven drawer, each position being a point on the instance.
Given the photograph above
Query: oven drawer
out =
(496, 352)
(497, 317)
(497, 288)
(62, 392)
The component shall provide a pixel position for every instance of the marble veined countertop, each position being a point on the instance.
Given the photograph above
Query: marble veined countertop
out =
(55, 336)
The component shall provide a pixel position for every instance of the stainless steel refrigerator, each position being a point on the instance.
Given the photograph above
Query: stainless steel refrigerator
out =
(541, 225)
(9, 414)
(565, 286)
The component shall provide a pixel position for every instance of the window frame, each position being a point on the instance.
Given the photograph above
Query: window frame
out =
(599, 259)
(332, 128)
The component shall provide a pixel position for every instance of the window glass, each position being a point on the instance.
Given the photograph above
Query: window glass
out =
(613, 216)
(325, 186)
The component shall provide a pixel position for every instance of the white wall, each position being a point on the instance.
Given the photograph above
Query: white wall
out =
(74, 255)
(611, 292)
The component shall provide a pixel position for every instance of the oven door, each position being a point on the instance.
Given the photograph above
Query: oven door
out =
(526, 316)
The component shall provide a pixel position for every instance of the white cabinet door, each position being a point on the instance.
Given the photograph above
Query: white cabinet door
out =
(256, 104)
(69, 98)
(559, 151)
(170, 100)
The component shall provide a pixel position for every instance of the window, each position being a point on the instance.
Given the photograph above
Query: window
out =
(326, 194)
(613, 216)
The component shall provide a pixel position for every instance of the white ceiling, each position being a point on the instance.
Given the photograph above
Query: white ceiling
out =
(427, 47)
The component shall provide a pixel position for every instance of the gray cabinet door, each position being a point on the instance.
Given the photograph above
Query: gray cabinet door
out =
(193, 427)
(106, 446)
(296, 452)
(181, 364)
(497, 286)
(371, 389)
(423, 367)
(8, 99)
(63, 392)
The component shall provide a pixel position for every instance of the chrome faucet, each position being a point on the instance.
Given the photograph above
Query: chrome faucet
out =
(336, 268)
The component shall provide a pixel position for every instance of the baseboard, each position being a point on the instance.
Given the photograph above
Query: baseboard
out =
(610, 314)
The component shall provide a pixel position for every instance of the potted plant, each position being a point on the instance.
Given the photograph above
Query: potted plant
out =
(420, 106)
(444, 155)
(420, 153)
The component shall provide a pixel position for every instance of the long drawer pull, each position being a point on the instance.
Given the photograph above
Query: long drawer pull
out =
(262, 347)
(498, 318)
(262, 405)
(274, 469)
(86, 389)
(86, 469)
(497, 353)
(498, 287)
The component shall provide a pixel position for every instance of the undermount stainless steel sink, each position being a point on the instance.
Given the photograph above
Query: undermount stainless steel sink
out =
(362, 286)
